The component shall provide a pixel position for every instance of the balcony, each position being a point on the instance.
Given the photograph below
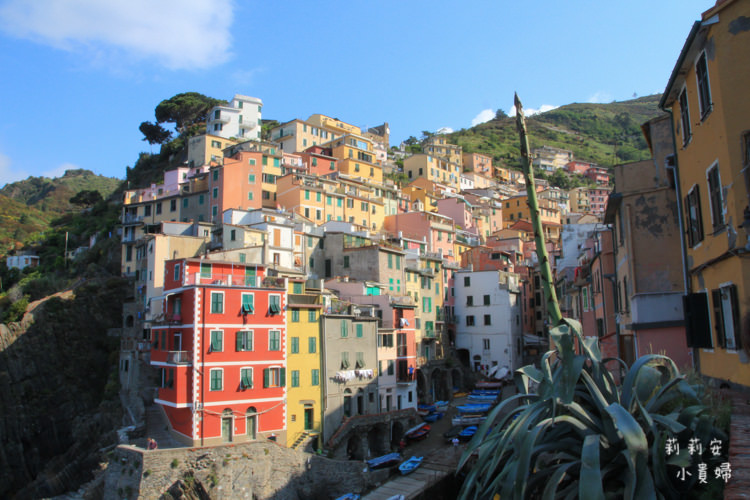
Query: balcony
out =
(248, 125)
(132, 219)
(234, 281)
(178, 358)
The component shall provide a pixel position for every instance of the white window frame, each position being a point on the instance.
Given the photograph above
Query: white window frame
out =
(251, 336)
(722, 224)
(211, 302)
(703, 108)
(210, 378)
(252, 374)
(242, 301)
(269, 340)
(210, 337)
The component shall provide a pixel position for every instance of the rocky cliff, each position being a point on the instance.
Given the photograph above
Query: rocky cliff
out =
(58, 389)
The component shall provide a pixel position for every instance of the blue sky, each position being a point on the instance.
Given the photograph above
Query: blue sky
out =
(79, 76)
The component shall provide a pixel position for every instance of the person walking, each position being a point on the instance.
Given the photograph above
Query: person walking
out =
(455, 445)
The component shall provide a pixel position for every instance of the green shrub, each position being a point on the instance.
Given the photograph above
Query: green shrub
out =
(581, 435)
(174, 463)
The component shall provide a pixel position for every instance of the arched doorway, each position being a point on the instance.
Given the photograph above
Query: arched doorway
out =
(464, 357)
(347, 402)
(227, 425)
(251, 423)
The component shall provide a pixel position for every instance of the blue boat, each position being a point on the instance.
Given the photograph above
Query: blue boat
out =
(410, 465)
(384, 461)
(485, 392)
(468, 433)
(426, 407)
(441, 405)
(433, 417)
(474, 408)
(482, 398)
(348, 496)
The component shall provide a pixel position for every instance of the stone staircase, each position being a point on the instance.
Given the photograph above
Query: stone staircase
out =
(300, 439)
(157, 427)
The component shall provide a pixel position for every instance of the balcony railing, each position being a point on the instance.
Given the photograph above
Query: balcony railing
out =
(235, 280)
(131, 219)
(178, 358)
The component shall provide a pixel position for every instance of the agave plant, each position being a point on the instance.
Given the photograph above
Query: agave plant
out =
(580, 435)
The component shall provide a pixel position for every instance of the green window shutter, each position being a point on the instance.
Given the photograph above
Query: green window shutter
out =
(246, 379)
(344, 329)
(240, 342)
(390, 261)
(295, 378)
(295, 315)
(360, 360)
(295, 345)
(315, 376)
(266, 377)
(205, 270)
(312, 316)
(297, 288)
(311, 345)
(359, 330)
(398, 262)
(282, 377)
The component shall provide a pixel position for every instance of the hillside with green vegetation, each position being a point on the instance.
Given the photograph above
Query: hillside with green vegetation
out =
(29, 207)
(605, 134)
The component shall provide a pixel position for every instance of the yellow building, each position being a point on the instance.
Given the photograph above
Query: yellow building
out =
(297, 135)
(434, 169)
(707, 99)
(304, 394)
(361, 206)
(327, 122)
(438, 146)
(357, 158)
(203, 149)
(516, 208)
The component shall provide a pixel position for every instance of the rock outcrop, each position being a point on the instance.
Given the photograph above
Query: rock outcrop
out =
(58, 390)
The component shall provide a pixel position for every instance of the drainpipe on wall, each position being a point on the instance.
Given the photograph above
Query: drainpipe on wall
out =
(683, 250)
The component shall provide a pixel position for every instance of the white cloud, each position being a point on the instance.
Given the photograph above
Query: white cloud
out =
(532, 111)
(7, 173)
(484, 116)
(600, 97)
(59, 171)
(180, 34)
(444, 130)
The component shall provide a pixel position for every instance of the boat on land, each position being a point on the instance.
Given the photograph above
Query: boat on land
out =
(396, 497)
(348, 496)
(419, 433)
(468, 433)
(433, 417)
(465, 420)
(474, 408)
(426, 407)
(441, 405)
(488, 385)
(483, 398)
(410, 465)
(384, 461)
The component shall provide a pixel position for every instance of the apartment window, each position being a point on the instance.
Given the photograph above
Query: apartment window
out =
(217, 379)
(726, 316)
(274, 340)
(687, 131)
(346, 261)
(274, 304)
(312, 316)
(172, 205)
(704, 90)
(344, 329)
(469, 320)
(217, 303)
(244, 340)
(248, 305)
(344, 360)
(360, 330)
(274, 377)
(295, 315)
(246, 378)
(486, 300)
(487, 319)
(185, 202)
(714, 194)
(295, 345)
(360, 363)
(295, 378)
(486, 344)
(694, 221)
(251, 178)
(147, 210)
(390, 261)
(177, 268)
(201, 199)
(469, 300)
(391, 367)
(217, 341)
(315, 377)
(467, 281)
(312, 345)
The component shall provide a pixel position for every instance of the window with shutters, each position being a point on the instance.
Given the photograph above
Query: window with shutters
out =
(694, 217)
(274, 377)
(312, 345)
(295, 315)
(217, 341)
(274, 340)
(726, 316)
(295, 378)
(359, 328)
(248, 303)
(315, 377)
(344, 360)
(714, 196)
(244, 340)
(246, 378)
(217, 302)
(274, 304)
(704, 88)
(217, 379)
(295, 345)
(344, 329)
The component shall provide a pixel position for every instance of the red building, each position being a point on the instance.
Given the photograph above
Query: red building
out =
(221, 352)
(598, 175)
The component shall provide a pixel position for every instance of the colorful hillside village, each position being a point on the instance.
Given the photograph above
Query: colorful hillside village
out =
(303, 287)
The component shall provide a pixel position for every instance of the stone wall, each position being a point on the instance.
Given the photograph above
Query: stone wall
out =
(261, 470)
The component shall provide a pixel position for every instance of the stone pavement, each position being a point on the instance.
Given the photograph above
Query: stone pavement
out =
(738, 486)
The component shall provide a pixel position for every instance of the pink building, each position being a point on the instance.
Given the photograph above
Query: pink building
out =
(598, 175)
(438, 231)
(578, 167)
(458, 210)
